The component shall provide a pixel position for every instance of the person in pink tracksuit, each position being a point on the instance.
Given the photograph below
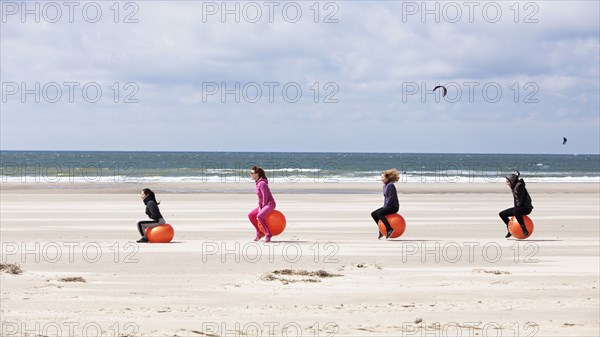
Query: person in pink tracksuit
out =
(266, 203)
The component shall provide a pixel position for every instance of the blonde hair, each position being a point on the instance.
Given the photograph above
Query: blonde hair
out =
(391, 175)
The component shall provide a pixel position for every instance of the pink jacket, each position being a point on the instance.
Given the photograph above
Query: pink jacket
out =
(264, 194)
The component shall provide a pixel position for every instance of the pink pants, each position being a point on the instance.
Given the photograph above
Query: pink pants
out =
(261, 216)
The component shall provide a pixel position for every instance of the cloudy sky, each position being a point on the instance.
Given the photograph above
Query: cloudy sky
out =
(329, 76)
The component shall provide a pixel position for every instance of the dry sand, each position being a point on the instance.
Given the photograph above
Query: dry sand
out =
(452, 273)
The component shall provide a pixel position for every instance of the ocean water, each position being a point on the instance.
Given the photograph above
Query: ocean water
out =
(105, 166)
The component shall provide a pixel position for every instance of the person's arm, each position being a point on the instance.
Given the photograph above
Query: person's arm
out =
(391, 191)
(261, 195)
(394, 195)
(521, 196)
(390, 194)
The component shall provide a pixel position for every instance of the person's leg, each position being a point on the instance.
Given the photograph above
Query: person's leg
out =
(381, 213)
(506, 214)
(142, 226)
(140, 229)
(252, 217)
(519, 212)
(376, 219)
(150, 225)
(262, 218)
(374, 215)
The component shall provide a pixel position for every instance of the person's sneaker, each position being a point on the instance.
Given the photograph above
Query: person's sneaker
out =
(267, 233)
(380, 236)
(508, 235)
(258, 236)
(525, 232)
(268, 238)
(142, 240)
(389, 233)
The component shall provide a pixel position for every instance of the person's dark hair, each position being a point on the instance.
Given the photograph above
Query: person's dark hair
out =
(260, 171)
(513, 178)
(151, 195)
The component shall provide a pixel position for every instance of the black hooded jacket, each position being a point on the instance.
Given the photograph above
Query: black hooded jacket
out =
(520, 194)
(152, 209)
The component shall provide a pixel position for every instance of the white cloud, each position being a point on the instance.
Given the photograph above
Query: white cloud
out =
(370, 55)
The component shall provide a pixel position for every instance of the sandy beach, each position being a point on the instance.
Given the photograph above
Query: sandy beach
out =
(452, 273)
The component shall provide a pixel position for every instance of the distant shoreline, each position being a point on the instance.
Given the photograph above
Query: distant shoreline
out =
(310, 152)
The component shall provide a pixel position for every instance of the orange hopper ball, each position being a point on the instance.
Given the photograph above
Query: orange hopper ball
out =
(515, 228)
(276, 223)
(160, 234)
(397, 222)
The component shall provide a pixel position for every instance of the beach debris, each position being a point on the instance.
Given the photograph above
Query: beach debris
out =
(230, 285)
(73, 279)
(360, 265)
(287, 276)
(366, 265)
(366, 329)
(318, 273)
(10, 268)
(444, 90)
(50, 285)
(204, 333)
(495, 272)
(438, 326)
(418, 320)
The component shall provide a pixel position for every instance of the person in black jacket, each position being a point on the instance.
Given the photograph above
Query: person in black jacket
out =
(522, 202)
(152, 211)
(390, 203)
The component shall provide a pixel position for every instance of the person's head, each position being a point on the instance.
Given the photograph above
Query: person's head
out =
(512, 179)
(391, 175)
(147, 193)
(257, 173)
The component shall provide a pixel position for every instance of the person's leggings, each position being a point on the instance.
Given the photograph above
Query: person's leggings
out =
(380, 213)
(517, 212)
(255, 216)
(143, 225)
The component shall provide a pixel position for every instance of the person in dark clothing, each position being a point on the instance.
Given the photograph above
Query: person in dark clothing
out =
(390, 203)
(522, 202)
(153, 213)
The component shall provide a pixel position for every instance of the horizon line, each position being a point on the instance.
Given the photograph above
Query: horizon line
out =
(311, 152)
